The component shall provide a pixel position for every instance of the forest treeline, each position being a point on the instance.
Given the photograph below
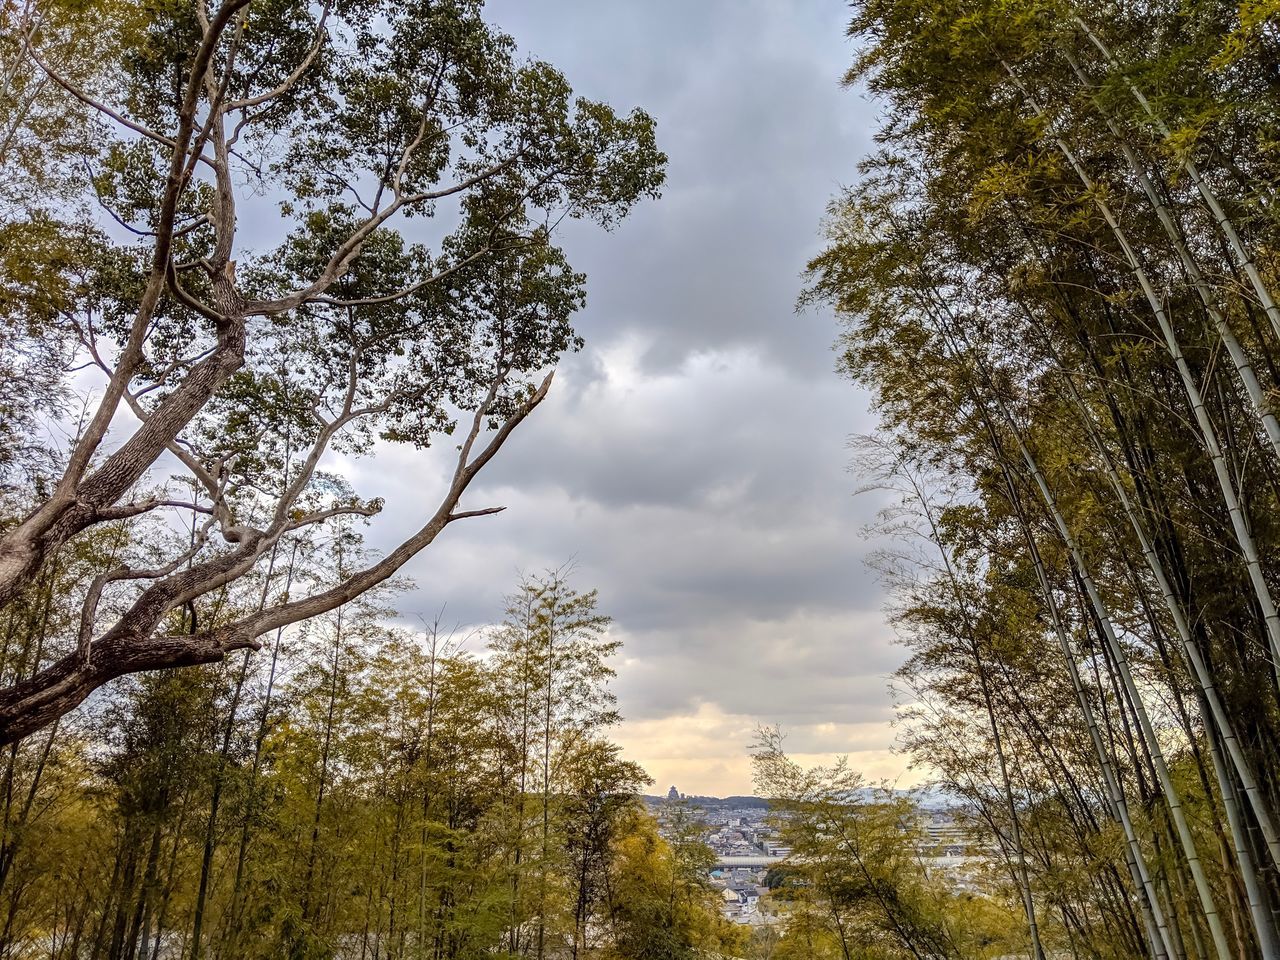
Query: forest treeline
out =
(1058, 275)
(352, 791)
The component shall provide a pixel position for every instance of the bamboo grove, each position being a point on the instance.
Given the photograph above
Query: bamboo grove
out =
(355, 791)
(1058, 276)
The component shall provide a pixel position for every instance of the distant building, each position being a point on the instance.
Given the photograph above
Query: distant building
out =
(673, 793)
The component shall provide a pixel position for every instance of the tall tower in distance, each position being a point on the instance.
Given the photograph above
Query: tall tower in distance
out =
(673, 793)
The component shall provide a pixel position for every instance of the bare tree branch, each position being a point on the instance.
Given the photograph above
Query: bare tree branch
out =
(132, 645)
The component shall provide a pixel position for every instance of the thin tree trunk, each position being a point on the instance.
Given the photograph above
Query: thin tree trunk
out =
(1021, 871)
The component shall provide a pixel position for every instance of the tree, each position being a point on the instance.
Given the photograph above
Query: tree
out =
(249, 367)
(599, 797)
(553, 646)
(858, 861)
(660, 908)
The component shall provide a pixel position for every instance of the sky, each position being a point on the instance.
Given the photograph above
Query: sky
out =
(692, 462)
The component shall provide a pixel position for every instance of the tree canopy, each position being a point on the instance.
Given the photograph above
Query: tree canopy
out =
(414, 168)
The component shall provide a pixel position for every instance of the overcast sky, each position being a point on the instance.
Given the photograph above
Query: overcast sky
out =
(691, 460)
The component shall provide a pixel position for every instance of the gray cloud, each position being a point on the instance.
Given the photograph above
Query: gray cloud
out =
(692, 460)
(759, 135)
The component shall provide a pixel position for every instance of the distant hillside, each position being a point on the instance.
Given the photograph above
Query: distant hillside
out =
(718, 803)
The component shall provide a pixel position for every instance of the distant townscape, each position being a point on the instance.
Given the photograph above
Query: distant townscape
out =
(751, 860)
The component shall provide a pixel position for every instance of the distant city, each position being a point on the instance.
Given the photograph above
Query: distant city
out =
(750, 857)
